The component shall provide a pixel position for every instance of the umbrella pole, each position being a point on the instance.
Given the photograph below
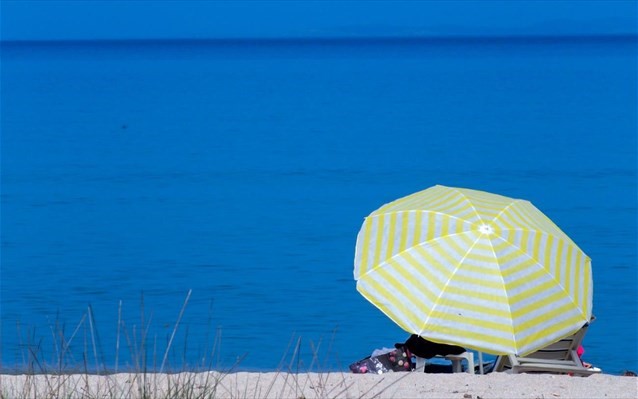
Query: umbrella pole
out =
(480, 359)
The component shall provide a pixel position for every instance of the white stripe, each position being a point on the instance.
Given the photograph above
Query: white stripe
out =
(538, 310)
(410, 285)
(381, 300)
(418, 276)
(438, 324)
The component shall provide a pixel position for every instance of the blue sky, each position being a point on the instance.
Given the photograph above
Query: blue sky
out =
(118, 19)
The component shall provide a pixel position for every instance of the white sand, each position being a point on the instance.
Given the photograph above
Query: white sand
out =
(319, 385)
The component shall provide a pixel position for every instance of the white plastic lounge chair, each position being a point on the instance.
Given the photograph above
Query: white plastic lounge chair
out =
(559, 358)
(457, 366)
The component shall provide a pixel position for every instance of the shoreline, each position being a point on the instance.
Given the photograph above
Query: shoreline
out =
(318, 385)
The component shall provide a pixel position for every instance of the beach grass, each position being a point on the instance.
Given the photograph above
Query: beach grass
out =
(147, 372)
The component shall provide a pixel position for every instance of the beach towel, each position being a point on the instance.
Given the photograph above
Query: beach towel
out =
(421, 347)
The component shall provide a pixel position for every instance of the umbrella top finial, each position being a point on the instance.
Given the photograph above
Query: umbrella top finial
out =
(486, 229)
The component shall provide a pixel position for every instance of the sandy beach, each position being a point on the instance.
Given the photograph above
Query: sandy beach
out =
(318, 385)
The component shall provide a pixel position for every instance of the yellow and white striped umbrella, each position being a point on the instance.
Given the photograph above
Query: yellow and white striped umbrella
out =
(474, 269)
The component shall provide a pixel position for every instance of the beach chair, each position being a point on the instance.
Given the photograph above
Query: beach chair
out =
(457, 365)
(559, 358)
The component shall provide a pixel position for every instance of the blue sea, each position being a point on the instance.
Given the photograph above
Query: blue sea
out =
(135, 172)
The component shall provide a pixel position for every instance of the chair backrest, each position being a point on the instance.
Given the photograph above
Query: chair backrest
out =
(564, 350)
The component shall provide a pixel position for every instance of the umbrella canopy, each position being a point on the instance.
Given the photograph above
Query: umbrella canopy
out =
(474, 269)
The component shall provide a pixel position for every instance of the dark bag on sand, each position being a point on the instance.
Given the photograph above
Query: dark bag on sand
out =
(396, 360)
(421, 347)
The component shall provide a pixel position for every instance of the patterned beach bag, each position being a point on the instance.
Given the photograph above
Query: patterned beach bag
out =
(398, 359)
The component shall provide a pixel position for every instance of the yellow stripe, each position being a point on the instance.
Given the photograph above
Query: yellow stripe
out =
(418, 228)
(392, 315)
(472, 282)
(449, 206)
(481, 258)
(509, 258)
(473, 306)
(455, 319)
(454, 245)
(571, 325)
(488, 269)
(405, 222)
(557, 259)
(536, 250)
(436, 282)
(587, 281)
(486, 296)
(499, 246)
(552, 319)
(440, 252)
(546, 300)
(516, 218)
(379, 240)
(524, 241)
(364, 266)
(392, 224)
(431, 264)
(557, 324)
(445, 227)
(431, 230)
(387, 289)
(515, 285)
(487, 340)
(505, 220)
(549, 244)
(537, 289)
(409, 275)
(524, 263)
(569, 278)
(578, 277)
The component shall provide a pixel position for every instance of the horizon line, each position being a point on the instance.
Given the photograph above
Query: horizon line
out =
(339, 39)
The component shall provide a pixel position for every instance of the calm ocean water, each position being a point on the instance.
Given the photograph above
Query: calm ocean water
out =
(137, 171)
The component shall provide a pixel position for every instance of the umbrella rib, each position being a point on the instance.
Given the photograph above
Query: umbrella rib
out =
(396, 212)
(462, 220)
(509, 308)
(541, 265)
(503, 280)
(564, 239)
(511, 204)
(469, 201)
(567, 242)
(447, 283)
(399, 254)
